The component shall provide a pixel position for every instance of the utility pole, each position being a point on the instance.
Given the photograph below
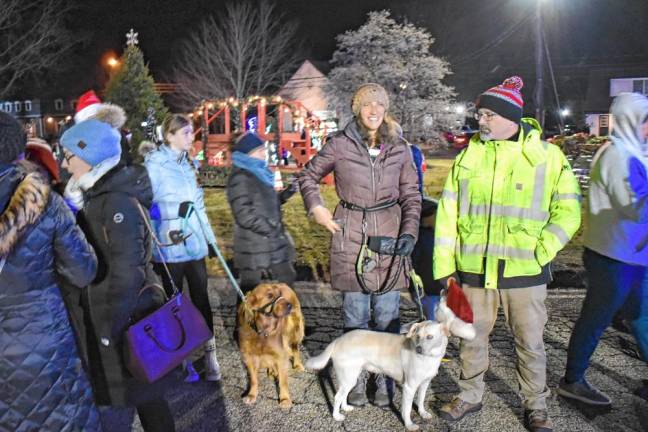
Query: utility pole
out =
(538, 97)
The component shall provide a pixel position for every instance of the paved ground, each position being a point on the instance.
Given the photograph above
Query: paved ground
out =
(616, 369)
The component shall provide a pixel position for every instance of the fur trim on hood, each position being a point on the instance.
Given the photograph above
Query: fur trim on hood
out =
(146, 147)
(27, 204)
(112, 114)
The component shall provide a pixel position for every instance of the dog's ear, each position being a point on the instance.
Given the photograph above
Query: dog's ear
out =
(445, 329)
(247, 307)
(412, 330)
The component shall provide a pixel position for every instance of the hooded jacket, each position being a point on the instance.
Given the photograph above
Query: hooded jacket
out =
(617, 219)
(174, 181)
(507, 209)
(117, 230)
(365, 183)
(42, 385)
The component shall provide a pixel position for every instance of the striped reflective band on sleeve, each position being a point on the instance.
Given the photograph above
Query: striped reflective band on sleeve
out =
(449, 195)
(444, 242)
(558, 232)
(566, 196)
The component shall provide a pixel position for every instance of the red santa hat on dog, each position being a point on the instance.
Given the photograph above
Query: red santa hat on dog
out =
(455, 311)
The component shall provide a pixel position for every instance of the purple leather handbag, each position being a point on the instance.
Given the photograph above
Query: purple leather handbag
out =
(159, 342)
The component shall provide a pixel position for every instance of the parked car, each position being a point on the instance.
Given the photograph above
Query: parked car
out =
(462, 137)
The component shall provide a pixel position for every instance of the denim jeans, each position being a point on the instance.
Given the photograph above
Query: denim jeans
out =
(611, 286)
(429, 303)
(356, 310)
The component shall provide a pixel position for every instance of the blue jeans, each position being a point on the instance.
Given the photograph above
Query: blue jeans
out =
(640, 324)
(611, 286)
(429, 303)
(356, 310)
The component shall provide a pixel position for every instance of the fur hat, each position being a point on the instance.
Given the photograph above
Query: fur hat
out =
(92, 141)
(367, 93)
(90, 106)
(504, 99)
(12, 138)
(248, 142)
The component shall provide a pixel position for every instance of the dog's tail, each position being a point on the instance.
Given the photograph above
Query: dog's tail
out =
(320, 361)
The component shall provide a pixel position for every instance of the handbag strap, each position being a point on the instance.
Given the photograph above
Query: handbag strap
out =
(157, 245)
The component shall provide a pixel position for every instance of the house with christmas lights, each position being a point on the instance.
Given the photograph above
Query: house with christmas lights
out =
(42, 118)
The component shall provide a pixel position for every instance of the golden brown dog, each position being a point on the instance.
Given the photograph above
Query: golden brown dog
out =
(270, 330)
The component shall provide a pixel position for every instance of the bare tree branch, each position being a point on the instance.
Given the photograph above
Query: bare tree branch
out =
(247, 51)
(33, 39)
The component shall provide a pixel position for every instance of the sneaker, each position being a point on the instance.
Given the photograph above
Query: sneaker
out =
(381, 398)
(212, 368)
(358, 395)
(582, 391)
(458, 409)
(538, 420)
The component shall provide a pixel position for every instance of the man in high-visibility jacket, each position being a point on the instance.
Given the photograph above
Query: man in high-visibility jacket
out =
(510, 203)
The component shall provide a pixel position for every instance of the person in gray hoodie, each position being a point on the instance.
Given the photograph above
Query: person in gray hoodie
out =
(616, 244)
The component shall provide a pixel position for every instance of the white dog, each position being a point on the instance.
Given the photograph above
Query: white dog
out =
(412, 359)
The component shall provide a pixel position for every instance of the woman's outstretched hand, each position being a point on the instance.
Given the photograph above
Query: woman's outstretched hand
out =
(323, 216)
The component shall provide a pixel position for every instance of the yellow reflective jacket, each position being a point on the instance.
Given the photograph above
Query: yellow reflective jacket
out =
(505, 200)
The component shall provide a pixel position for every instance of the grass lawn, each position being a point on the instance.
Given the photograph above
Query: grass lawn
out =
(312, 241)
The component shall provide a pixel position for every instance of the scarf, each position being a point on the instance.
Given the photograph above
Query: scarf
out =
(257, 167)
(74, 189)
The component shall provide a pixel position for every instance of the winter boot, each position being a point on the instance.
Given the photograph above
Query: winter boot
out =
(358, 395)
(191, 376)
(381, 398)
(212, 368)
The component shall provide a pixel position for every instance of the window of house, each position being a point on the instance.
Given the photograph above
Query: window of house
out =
(8, 106)
(640, 86)
(28, 105)
(17, 106)
(58, 104)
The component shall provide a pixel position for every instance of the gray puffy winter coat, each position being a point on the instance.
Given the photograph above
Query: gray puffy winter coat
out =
(43, 386)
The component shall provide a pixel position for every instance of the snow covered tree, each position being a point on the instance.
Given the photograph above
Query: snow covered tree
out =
(132, 87)
(398, 57)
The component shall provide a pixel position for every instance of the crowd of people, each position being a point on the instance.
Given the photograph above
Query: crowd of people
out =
(74, 257)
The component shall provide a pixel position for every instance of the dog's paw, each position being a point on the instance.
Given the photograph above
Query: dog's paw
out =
(347, 408)
(250, 399)
(299, 367)
(285, 403)
(412, 427)
(425, 414)
(338, 416)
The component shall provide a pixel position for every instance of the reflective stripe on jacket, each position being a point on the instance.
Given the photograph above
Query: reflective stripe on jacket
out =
(516, 201)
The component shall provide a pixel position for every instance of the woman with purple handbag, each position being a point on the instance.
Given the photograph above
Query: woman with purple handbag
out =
(110, 196)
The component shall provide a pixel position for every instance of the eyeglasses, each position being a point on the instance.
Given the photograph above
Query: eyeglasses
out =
(68, 157)
(488, 116)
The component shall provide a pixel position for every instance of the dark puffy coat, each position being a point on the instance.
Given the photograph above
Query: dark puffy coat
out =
(117, 230)
(260, 239)
(392, 176)
(42, 384)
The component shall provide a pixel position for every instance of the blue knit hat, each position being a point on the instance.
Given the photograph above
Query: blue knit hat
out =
(92, 141)
(248, 142)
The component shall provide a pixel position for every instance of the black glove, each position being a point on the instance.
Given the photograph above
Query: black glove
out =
(288, 192)
(405, 245)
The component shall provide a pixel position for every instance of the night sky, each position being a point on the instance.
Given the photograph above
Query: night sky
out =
(483, 40)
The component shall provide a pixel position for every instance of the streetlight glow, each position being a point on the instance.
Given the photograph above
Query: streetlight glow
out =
(565, 112)
(112, 62)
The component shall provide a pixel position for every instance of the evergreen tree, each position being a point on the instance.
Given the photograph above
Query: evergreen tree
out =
(396, 56)
(132, 88)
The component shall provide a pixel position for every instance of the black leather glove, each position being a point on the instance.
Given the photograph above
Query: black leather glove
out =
(288, 192)
(405, 245)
